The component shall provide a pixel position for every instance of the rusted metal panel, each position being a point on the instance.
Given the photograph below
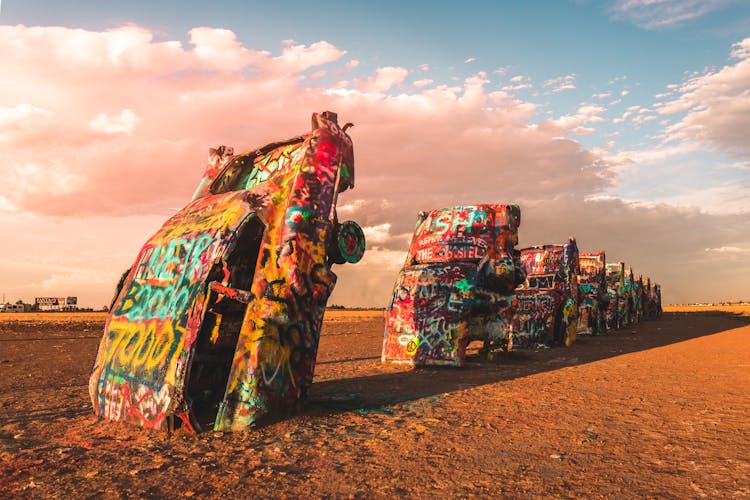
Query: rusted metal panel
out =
(218, 321)
(456, 285)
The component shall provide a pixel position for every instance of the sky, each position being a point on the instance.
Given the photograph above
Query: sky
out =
(623, 123)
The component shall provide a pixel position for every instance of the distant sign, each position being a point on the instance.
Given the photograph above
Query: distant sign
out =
(46, 301)
(55, 303)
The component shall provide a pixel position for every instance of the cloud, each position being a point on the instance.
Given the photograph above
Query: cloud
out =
(21, 121)
(297, 58)
(587, 113)
(655, 14)
(470, 60)
(728, 249)
(122, 123)
(423, 83)
(384, 79)
(716, 106)
(561, 83)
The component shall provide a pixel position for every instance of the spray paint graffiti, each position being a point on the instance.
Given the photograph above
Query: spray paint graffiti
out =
(638, 298)
(617, 310)
(630, 292)
(547, 310)
(651, 300)
(456, 285)
(594, 300)
(656, 298)
(217, 322)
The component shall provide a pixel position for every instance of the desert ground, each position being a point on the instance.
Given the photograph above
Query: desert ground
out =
(658, 410)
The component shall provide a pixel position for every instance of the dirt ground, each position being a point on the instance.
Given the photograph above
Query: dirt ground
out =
(660, 410)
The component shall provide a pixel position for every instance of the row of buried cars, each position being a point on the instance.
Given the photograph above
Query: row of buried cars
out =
(464, 280)
(216, 324)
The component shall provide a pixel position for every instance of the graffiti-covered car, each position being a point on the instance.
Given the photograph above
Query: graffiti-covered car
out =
(593, 297)
(217, 322)
(638, 298)
(616, 311)
(656, 293)
(546, 311)
(651, 300)
(630, 291)
(456, 284)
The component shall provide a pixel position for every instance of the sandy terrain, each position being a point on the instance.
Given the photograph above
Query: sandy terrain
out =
(661, 410)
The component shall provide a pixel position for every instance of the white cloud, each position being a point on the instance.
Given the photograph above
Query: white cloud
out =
(423, 83)
(561, 83)
(22, 120)
(716, 106)
(586, 113)
(470, 60)
(123, 123)
(384, 79)
(728, 249)
(377, 234)
(655, 14)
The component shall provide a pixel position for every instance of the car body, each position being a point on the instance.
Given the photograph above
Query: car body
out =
(593, 297)
(546, 311)
(656, 292)
(616, 310)
(456, 285)
(639, 297)
(217, 322)
(629, 294)
(652, 300)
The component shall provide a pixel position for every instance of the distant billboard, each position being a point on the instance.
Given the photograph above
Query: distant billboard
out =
(56, 303)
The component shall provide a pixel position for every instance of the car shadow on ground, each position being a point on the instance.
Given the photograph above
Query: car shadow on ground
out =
(377, 393)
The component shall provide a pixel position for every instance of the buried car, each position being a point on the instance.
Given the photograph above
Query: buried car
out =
(547, 302)
(651, 300)
(617, 310)
(217, 322)
(594, 300)
(656, 297)
(631, 318)
(456, 285)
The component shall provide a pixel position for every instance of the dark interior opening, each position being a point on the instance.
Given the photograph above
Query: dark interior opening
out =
(215, 347)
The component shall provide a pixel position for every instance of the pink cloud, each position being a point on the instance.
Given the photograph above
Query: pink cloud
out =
(716, 105)
(124, 122)
(423, 83)
(384, 79)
